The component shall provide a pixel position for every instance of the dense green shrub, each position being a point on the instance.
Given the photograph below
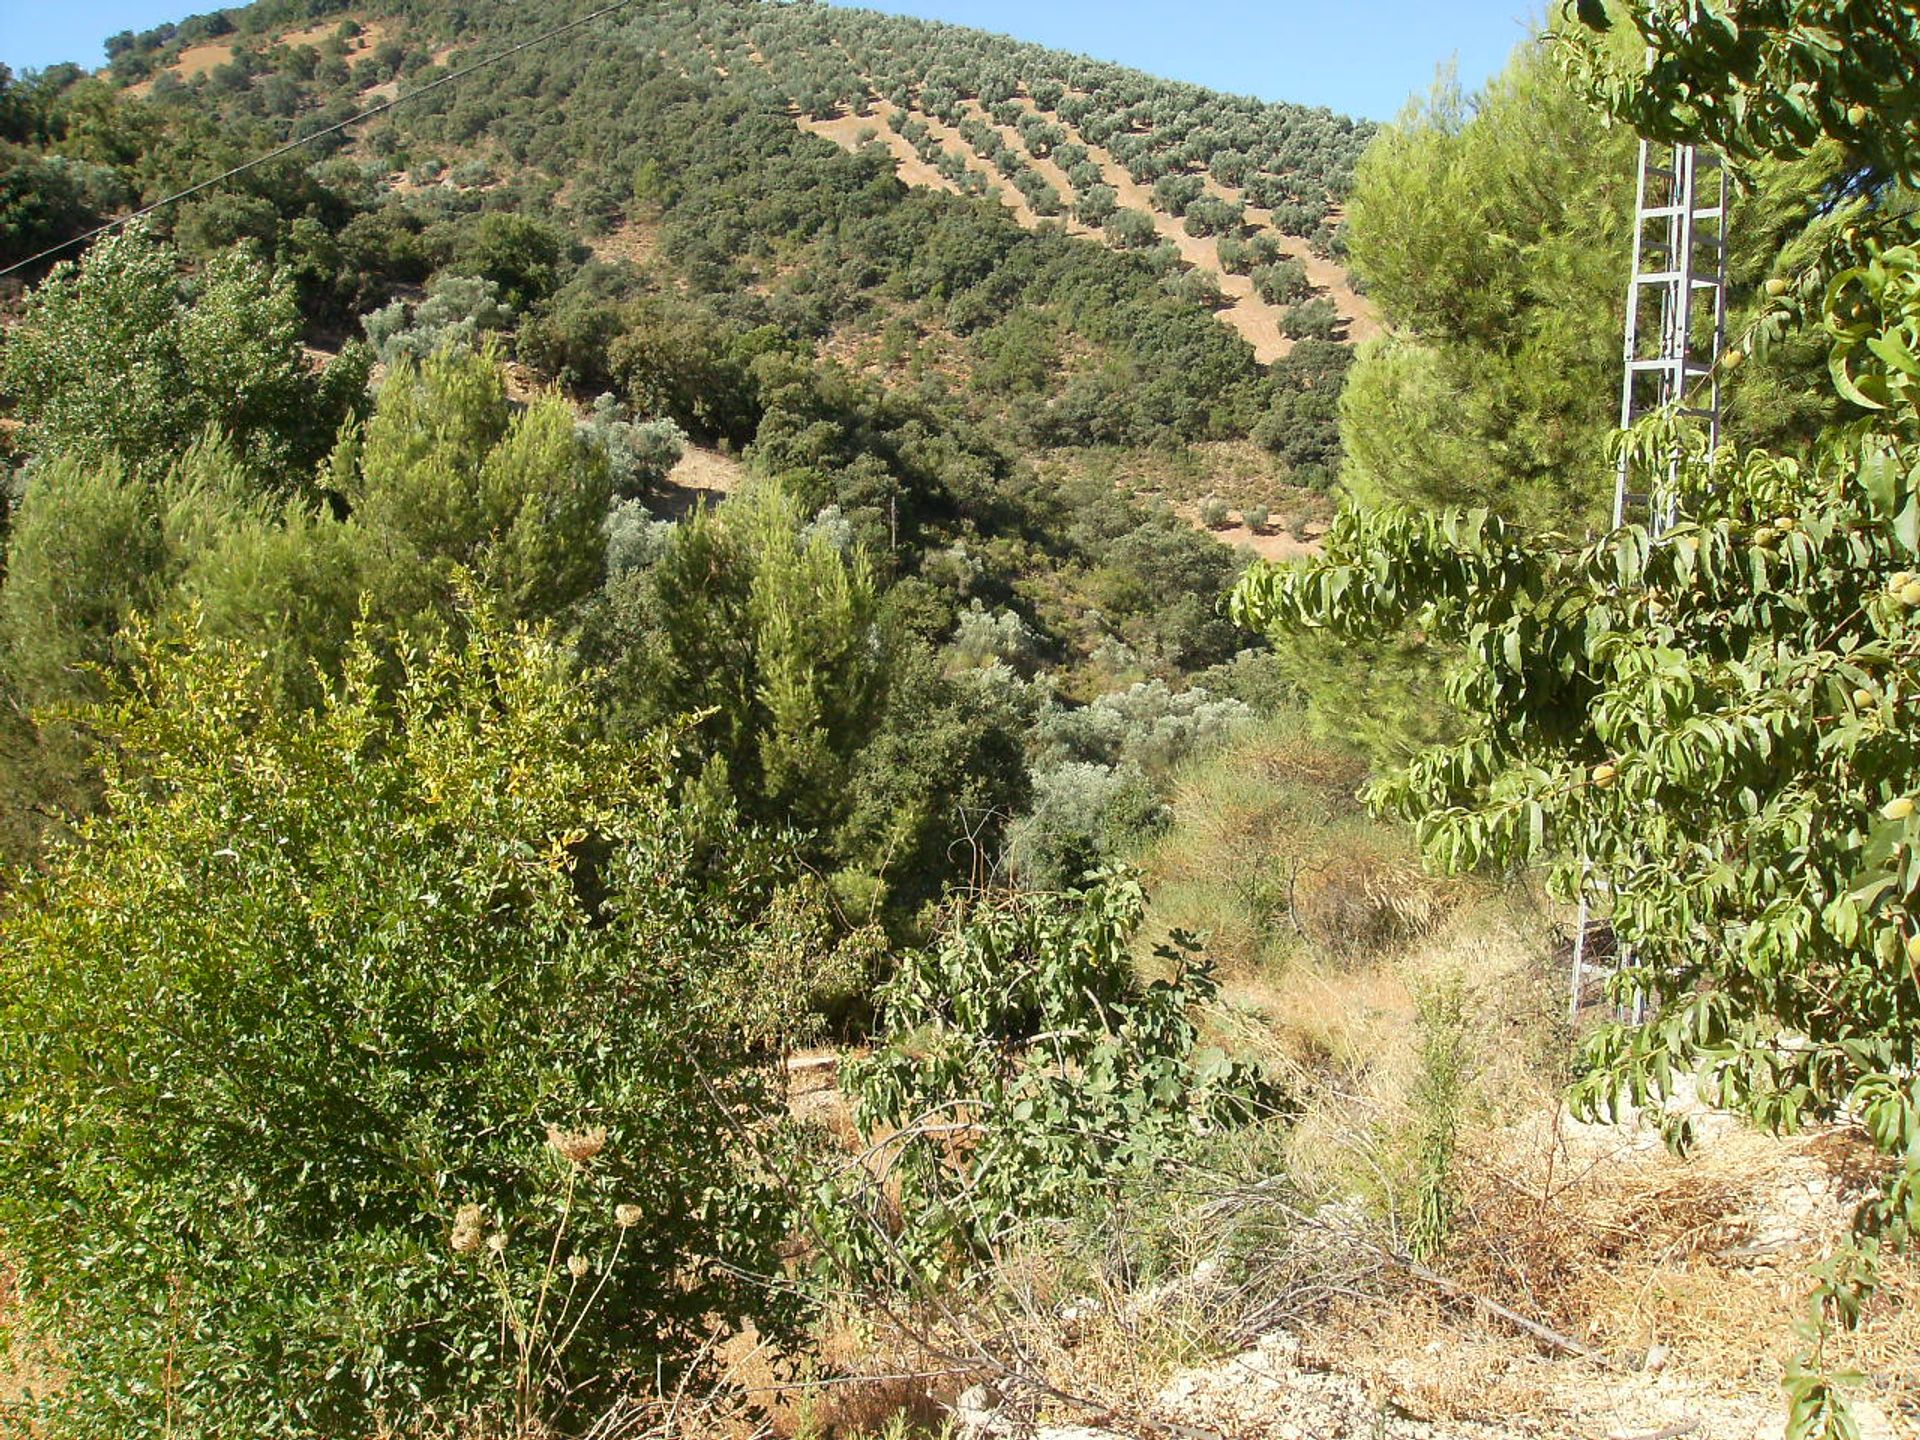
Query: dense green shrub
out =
(458, 311)
(1024, 1074)
(1314, 319)
(1282, 282)
(116, 355)
(459, 486)
(283, 1037)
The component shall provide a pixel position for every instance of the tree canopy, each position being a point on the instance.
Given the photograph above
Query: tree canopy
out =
(1708, 733)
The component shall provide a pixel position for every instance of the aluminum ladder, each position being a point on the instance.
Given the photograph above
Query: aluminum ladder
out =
(1676, 330)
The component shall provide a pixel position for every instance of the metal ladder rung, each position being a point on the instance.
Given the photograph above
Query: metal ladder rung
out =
(1691, 253)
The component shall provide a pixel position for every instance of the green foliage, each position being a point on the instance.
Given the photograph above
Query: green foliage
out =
(525, 258)
(1496, 245)
(463, 489)
(1282, 282)
(1438, 1091)
(807, 701)
(773, 637)
(1719, 724)
(458, 311)
(1099, 771)
(1314, 319)
(1762, 77)
(640, 453)
(1024, 1072)
(114, 355)
(282, 1036)
(47, 199)
(86, 556)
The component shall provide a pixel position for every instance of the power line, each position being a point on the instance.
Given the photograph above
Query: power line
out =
(292, 145)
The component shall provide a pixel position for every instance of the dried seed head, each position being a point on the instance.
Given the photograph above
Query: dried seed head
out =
(577, 1266)
(626, 1216)
(577, 1146)
(469, 1228)
(497, 1242)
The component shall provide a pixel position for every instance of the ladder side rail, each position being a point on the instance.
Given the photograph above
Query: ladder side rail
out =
(1632, 346)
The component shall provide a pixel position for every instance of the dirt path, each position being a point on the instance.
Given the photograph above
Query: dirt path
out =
(952, 139)
(1252, 318)
(1256, 321)
(1045, 167)
(845, 131)
(1250, 315)
(702, 477)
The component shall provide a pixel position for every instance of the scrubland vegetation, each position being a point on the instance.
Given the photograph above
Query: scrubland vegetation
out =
(916, 933)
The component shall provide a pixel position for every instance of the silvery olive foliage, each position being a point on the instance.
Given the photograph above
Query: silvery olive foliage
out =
(459, 311)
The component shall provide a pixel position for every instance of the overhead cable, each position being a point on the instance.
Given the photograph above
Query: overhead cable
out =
(293, 145)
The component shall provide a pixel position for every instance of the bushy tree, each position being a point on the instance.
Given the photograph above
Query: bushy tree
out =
(1496, 383)
(1716, 723)
(526, 258)
(1314, 319)
(1282, 282)
(119, 354)
(773, 638)
(459, 311)
(343, 1030)
(459, 487)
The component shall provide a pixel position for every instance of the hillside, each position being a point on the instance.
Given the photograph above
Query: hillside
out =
(753, 721)
(1049, 133)
(1231, 205)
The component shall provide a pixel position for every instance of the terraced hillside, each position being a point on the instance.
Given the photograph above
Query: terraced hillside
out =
(1180, 281)
(1242, 198)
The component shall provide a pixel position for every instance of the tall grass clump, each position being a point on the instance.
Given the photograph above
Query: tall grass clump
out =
(1271, 856)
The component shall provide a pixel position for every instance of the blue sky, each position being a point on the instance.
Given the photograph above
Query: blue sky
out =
(1359, 59)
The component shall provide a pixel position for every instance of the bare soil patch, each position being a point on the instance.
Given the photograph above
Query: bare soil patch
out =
(1269, 542)
(703, 477)
(631, 240)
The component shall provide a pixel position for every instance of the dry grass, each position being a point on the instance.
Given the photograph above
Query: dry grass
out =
(1271, 857)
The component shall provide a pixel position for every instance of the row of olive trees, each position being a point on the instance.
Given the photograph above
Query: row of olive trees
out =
(827, 61)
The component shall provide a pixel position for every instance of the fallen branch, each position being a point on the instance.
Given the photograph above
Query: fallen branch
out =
(1551, 1338)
